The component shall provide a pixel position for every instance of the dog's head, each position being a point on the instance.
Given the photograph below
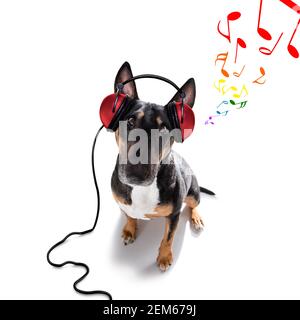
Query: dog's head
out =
(145, 135)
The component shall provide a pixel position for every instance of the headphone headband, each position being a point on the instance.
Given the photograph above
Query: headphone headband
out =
(151, 76)
(121, 85)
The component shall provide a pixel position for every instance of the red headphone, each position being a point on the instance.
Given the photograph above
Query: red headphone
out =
(114, 107)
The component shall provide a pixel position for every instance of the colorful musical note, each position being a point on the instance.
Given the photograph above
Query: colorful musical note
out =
(231, 17)
(225, 112)
(238, 95)
(239, 43)
(267, 51)
(221, 113)
(221, 81)
(218, 113)
(224, 91)
(292, 50)
(263, 73)
(242, 103)
(223, 102)
(209, 121)
(223, 85)
(292, 5)
(265, 34)
(238, 74)
(223, 57)
(261, 31)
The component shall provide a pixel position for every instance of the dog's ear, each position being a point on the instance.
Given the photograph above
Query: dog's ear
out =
(124, 74)
(189, 88)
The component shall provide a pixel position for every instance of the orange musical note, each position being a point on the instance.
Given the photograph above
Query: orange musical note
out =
(238, 74)
(238, 95)
(265, 34)
(223, 57)
(239, 43)
(263, 73)
(292, 50)
(231, 17)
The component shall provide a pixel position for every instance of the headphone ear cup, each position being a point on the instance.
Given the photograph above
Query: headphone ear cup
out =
(108, 116)
(172, 115)
(188, 124)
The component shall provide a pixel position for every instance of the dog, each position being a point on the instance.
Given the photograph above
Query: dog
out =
(159, 188)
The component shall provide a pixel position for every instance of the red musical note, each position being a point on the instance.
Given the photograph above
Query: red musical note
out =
(267, 51)
(239, 43)
(238, 74)
(261, 31)
(231, 17)
(292, 50)
(265, 34)
(263, 73)
(223, 57)
(292, 5)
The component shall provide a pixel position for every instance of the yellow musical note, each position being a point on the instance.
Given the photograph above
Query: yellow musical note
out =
(224, 91)
(221, 81)
(244, 89)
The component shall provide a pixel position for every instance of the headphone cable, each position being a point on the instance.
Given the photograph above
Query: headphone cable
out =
(81, 264)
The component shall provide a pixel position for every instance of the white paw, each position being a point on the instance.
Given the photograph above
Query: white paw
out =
(197, 222)
(164, 262)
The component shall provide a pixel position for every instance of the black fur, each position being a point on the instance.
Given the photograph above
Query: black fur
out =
(175, 179)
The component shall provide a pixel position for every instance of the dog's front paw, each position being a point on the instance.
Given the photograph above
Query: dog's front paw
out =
(129, 231)
(164, 259)
(128, 236)
(197, 221)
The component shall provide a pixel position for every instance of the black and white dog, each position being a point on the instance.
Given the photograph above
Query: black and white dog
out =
(155, 189)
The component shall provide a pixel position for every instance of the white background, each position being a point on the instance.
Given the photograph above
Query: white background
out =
(58, 60)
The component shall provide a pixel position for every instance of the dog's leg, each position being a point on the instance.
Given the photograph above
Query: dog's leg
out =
(192, 203)
(165, 256)
(196, 219)
(129, 230)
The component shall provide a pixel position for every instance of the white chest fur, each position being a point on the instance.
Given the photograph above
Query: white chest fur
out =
(144, 200)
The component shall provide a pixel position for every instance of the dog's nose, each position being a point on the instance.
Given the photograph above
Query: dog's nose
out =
(141, 171)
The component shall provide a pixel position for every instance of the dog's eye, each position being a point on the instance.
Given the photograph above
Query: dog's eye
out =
(131, 122)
